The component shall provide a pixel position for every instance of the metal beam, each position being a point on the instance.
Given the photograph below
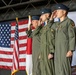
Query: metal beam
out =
(23, 13)
(19, 4)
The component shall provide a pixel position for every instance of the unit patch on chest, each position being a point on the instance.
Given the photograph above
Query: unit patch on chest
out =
(52, 30)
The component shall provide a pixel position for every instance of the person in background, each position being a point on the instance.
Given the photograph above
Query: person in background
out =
(64, 40)
(35, 44)
(46, 43)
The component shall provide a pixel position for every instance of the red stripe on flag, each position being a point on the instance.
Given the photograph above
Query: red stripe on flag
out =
(22, 45)
(22, 37)
(21, 30)
(22, 60)
(22, 52)
(5, 52)
(5, 60)
(5, 67)
(23, 22)
(22, 67)
(12, 31)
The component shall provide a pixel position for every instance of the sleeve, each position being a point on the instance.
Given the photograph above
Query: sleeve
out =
(71, 33)
(29, 33)
(52, 41)
(37, 30)
(51, 21)
(53, 46)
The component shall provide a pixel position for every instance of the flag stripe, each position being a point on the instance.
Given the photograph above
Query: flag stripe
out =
(5, 52)
(5, 60)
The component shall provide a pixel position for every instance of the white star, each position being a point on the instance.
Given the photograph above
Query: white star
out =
(5, 39)
(6, 34)
(6, 30)
(8, 37)
(9, 44)
(1, 41)
(2, 34)
(3, 44)
(3, 25)
(6, 25)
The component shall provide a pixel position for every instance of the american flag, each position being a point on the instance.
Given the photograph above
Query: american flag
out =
(15, 66)
(7, 32)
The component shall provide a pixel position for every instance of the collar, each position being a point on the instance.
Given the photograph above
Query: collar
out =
(64, 19)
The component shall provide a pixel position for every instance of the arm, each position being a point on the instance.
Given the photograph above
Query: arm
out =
(71, 33)
(37, 30)
(52, 44)
(29, 33)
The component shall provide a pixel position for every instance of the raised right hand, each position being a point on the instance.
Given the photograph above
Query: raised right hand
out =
(39, 22)
(53, 15)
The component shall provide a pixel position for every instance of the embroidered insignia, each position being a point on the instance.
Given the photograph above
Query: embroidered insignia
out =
(73, 25)
(52, 30)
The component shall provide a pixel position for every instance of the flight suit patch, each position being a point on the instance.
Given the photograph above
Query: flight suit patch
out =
(52, 30)
(72, 25)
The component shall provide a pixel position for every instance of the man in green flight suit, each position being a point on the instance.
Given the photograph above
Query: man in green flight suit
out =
(64, 40)
(46, 44)
(35, 45)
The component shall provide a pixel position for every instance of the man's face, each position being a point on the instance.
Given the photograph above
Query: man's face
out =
(60, 13)
(34, 23)
(44, 17)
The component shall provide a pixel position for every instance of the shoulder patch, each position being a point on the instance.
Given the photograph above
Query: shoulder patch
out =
(73, 25)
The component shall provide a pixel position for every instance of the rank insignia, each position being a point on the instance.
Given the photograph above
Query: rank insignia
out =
(52, 30)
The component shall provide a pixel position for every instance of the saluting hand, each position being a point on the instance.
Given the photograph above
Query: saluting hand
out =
(39, 22)
(69, 54)
(50, 56)
(53, 15)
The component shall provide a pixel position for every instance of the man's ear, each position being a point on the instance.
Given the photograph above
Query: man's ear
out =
(64, 11)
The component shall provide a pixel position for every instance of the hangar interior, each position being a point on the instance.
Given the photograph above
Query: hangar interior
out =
(10, 9)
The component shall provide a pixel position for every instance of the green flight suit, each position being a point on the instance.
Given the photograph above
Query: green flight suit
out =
(64, 41)
(47, 46)
(35, 51)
